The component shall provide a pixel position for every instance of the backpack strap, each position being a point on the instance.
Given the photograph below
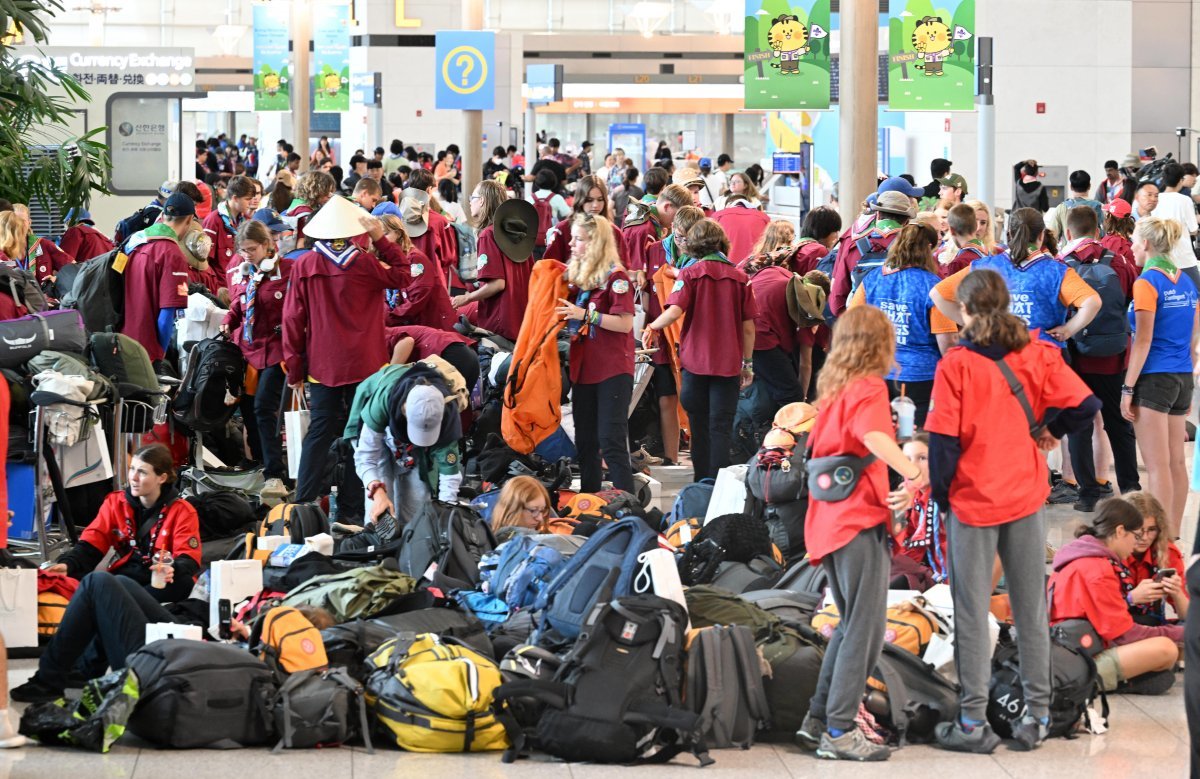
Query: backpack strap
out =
(343, 677)
(1018, 391)
(750, 671)
(864, 245)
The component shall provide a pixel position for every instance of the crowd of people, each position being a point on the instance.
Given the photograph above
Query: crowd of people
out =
(1009, 335)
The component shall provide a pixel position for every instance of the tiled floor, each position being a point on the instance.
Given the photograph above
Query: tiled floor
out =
(1147, 736)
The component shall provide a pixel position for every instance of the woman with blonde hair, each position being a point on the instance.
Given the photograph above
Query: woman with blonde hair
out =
(1154, 553)
(14, 237)
(985, 231)
(524, 503)
(1157, 392)
(599, 313)
(778, 238)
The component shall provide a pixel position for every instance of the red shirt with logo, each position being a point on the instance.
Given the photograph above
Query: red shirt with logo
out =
(502, 313)
(717, 298)
(156, 277)
(266, 345)
(113, 528)
(425, 301)
(601, 354)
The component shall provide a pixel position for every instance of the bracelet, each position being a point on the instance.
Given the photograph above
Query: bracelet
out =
(593, 317)
(747, 363)
(1126, 389)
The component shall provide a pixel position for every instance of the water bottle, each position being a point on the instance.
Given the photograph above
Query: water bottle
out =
(162, 560)
(333, 504)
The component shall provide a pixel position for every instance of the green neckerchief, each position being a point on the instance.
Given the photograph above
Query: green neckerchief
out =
(651, 200)
(295, 202)
(714, 257)
(1163, 264)
(887, 224)
(976, 242)
(160, 230)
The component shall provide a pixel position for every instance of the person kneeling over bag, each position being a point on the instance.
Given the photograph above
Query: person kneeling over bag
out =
(407, 450)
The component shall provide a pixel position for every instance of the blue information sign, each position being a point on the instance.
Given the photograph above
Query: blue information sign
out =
(466, 70)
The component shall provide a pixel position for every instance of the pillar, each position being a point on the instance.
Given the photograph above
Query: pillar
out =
(472, 147)
(859, 104)
(301, 88)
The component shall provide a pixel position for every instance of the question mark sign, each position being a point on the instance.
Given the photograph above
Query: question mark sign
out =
(467, 63)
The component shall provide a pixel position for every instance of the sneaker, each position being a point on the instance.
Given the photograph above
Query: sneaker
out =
(1106, 489)
(851, 745)
(1064, 492)
(982, 740)
(808, 737)
(274, 489)
(1029, 734)
(9, 738)
(1086, 505)
(641, 459)
(1150, 683)
(35, 691)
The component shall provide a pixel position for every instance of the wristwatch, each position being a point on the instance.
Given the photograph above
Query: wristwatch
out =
(1126, 389)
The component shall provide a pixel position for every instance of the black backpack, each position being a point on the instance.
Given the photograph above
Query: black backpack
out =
(222, 514)
(918, 697)
(1108, 333)
(1074, 681)
(136, 222)
(618, 694)
(23, 288)
(215, 373)
(198, 694)
(779, 485)
(452, 536)
(740, 538)
(869, 259)
(98, 294)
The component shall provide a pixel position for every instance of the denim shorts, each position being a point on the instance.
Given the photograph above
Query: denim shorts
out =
(1168, 393)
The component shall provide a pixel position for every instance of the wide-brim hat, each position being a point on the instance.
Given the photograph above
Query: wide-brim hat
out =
(516, 226)
(796, 418)
(688, 177)
(896, 203)
(414, 212)
(805, 302)
(338, 218)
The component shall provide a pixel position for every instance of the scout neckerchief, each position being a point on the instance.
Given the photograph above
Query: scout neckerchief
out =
(256, 278)
(714, 257)
(338, 251)
(230, 226)
(1166, 266)
(1124, 576)
(1039, 254)
(155, 529)
(927, 533)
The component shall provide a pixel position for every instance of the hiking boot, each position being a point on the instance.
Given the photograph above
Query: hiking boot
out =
(1029, 734)
(982, 740)
(274, 490)
(1086, 505)
(641, 459)
(1064, 492)
(1106, 489)
(808, 737)
(851, 745)
(35, 691)
(1150, 683)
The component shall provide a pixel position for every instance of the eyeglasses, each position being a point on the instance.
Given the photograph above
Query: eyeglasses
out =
(1141, 535)
(476, 197)
(679, 237)
(537, 511)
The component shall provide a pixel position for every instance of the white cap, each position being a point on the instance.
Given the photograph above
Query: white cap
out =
(423, 408)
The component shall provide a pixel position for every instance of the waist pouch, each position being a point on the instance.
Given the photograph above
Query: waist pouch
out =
(1079, 635)
(832, 479)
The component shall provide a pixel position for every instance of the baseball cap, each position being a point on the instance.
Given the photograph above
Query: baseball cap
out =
(387, 208)
(77, 215)
(271, 218)
(179, 205)
(897, 184)
(1118, 207)
(705, 162)
(167, 187)
(954, 180)
(586, 145)
(423, 408)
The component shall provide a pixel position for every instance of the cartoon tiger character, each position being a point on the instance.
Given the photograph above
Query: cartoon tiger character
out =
(788, 38)
(932, 41)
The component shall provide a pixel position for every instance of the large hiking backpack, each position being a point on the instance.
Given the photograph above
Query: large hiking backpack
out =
(222, 514)
(616, 696)
(691, 501)
(468, 260)
(26, 337)
(1108, 333)
(297, 521)
(123, 360)
(99, 294)
(320, 708)
(803, 576)
(199, 694)
(525, 564)
(545, 216)
(780, 486)
(918, 697)
(212, 385)
(869, 259)
(1074, 680)
(452, 537)
(730, 538)
(568, 599)
(435, 695)
(724, 685)
(23, 288)
(360, 592)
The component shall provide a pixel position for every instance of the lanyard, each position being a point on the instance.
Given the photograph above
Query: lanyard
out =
(155, 531)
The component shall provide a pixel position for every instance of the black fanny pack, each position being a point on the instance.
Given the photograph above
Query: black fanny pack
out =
(832, 479)
(1079, 635)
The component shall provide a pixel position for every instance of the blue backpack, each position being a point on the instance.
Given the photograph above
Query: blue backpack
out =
(692, 501)
(614, 549)
(869, 259)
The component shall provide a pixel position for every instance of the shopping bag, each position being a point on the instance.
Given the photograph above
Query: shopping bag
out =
(729, 495)
(295, 424)
(19, 607)
(235, 581)
(87, 461)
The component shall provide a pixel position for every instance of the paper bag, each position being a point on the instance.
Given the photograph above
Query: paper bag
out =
(157, 631)
(660, 574)
(295, 422)
(234, 580)
(87, 461)
(729, 494)
(18, 606)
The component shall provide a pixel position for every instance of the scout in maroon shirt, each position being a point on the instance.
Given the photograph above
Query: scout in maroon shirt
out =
(82, 241)
(241, 201)
(156, 277)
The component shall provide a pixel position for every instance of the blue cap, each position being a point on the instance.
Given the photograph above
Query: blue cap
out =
(897, 184)
(76, 215)
(270, 217)
(387, 208)
(179, 205)
(706, 162)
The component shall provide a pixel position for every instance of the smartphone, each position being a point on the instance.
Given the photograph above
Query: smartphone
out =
(1164, 573)
(224, 614)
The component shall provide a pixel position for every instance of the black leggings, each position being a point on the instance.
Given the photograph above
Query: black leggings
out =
(710, 403)
(601, 413)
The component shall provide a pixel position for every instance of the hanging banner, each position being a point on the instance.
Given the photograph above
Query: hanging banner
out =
(931, 55)
(271, 57)
(331, 58)
(787, 55)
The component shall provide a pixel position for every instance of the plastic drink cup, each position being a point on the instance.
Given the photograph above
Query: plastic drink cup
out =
(162, 560)
(906, 412)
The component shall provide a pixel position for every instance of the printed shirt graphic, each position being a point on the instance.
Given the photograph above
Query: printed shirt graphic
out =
(904, 296)
(1173, 301)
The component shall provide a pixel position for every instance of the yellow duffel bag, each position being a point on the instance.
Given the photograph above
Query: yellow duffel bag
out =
(908, 628)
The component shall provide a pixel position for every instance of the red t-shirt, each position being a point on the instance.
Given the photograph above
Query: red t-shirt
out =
(639, 237)
(845, 419)
(83, 242)
(502, 313)
(425, 301)
(1001, 475)
(773, 326)
(744, 226)
(602, 354)
(718, 298)
(266, 345)
(426, 340)
(156, 277)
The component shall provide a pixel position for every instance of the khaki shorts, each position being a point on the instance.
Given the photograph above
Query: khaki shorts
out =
(1109, 667)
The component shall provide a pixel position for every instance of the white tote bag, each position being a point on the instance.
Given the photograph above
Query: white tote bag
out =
(18, 606)
(295, 425)
(234, 581)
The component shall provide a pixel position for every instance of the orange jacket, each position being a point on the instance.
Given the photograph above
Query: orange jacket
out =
(664, 282)
(531, 411)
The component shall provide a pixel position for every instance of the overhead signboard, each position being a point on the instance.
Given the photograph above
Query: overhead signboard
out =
(466, 70)
(543, 84)
(119, 69)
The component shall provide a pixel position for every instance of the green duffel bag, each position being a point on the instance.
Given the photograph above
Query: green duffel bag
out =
(358, 593)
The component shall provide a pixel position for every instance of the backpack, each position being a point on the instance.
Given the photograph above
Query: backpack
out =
(198, 694)
(525, 564)
(286, 640)
(737, 538)
(50, 608)
(869, 259)
(123, 360)
(435, 695)
(545, 216)
(724, 685)
(26, 337)
(99, 293)
(135, 223)
(70, 364)
(918, 697)
(23, 288)
(617, 695)
(360, 592)
(802, 576)
(320, 708)
(1074, 680)
(791, 607)
(468, 260)
(298, 521)
(448, 537)
(691, 501)
(612, 552)
(222, 514)
(909, 630)
(212, 385)
(446, 623)
(760, 573)
(1108, 333)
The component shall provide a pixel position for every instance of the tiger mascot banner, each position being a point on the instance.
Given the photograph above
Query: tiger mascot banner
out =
(787, 55)
(931, 55)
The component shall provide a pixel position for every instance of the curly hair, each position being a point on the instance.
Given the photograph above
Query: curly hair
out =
(864, 344)
(315, 187)
(600, 259)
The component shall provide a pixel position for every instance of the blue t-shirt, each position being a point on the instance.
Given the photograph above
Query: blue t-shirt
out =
(1174, 317)
(904, 296)
(1034, 288)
